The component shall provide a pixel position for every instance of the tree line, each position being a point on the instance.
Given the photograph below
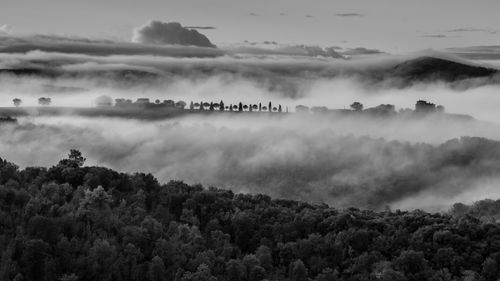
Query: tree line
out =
(221, 106)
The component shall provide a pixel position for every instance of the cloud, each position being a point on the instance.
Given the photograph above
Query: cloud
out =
(5, 29)
(435, 36)
(350, 15)
(361, 51)
(484, 53)
(253, 14)
(200, 27)
(312, 51)
(72, 45)
(333, 161)
(172, 33)
(461, 30)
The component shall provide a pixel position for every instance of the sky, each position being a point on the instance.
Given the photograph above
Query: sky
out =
(390, 25)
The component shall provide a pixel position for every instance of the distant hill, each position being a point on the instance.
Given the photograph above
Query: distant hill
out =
(436, 69)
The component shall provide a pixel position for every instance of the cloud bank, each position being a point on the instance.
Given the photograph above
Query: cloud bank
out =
(332, 162)
(163, 33)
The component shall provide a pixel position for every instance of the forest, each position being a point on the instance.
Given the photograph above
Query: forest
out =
(74, 222)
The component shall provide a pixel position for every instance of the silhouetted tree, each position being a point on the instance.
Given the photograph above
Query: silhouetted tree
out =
(279, 108)
(17, 102)
(357, 106)
(260, 106)
(180, 104)
(240, 107)
(222, 107)
(270, 107)
(44, 101)
(191, 105)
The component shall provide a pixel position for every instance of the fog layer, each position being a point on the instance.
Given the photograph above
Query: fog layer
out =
(285, 157)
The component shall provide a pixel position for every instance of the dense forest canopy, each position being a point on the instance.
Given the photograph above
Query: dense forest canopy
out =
(76, 222)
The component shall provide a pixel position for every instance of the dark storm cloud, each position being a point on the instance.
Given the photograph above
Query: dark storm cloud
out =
(350, 15)
(170, 33)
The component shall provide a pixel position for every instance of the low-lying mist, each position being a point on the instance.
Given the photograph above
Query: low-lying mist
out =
(334, 93)
(342, 161)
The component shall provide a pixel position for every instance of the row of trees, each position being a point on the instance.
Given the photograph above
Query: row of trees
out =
(44, 101)
(71, 222)
(236, 107)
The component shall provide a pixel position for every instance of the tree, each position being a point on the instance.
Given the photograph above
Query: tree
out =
(240, 107)
(490, 269)
(100, 258)
(270, 107)
(17, 102)
(260, 106)
(180, 104)
(44, 101)
(357, 106)
(104, 101)
(265, 257)
(157, 271)
(221, 104)
(298, 271)
(234, 270)
(74, 160)
(257, 273)
(279, 108)
(411, 262)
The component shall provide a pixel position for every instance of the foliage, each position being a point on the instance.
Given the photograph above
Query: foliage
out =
(75, 222)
